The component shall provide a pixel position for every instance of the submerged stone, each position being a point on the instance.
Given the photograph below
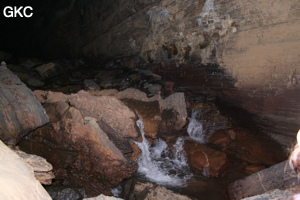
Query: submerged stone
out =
(206, 160)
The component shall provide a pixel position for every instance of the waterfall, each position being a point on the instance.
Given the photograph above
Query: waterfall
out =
(179, 158)
(155, 164)
(195, 129)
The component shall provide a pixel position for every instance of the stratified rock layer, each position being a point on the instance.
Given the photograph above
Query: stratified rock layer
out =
(42, 169)
(20, 112)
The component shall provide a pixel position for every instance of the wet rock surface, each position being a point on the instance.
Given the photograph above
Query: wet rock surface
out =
(81, 155)
(65, 193)
(205, 160)
(174, 114)
(150, 191)
(164, 107)
(165, 117)
(243, 54)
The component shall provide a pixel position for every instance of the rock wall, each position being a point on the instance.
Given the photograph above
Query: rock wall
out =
(254, 43)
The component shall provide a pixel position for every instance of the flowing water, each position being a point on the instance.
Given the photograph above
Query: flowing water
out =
(156, 164)
(195, 129)
(168, 166)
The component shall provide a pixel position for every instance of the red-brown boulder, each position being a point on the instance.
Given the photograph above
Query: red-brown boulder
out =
(205, 160)
(220, 139)
(107, 108)
(81, 155)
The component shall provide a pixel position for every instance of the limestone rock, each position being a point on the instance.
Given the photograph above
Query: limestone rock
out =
(106, 108)
(30, 63)
(62, 111)
(290, 193)
(42, 169)
(49, 70)
(206, 160)
(211, 118)
(35, 82)
(50, 97)
(163, 116)
(81, 154)
(122, 143)
(149, 113)
(253, 169)
(148, 109)
(264, 181)
(65, 193)
(135, 94)
(221, 139)
(56, 110)
(252, 148)
(106, 92)
(174, 114)
(89, 84)
(150, 191)
(17, 178)
(167, 88)
(20, 110)
(152, 89)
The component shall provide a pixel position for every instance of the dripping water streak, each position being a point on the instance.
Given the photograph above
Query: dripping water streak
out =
(195, 129)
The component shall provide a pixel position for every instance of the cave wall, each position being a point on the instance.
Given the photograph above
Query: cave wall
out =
(255, 43)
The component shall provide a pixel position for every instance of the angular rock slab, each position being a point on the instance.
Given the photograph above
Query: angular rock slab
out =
(164, 116)
(42, 169)
(150, 191)
(174, 114)
(279, 176)
(290, 193)
(17, 178)
(81, 154)
(208, 161)
(107, 108)
(20, 112)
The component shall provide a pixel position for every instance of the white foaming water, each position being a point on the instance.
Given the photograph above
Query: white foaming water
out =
(179, 158)
(159, 148)
(207, 10)
(159, 169)
(195, 129)
(116, 191)
(208, 7)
